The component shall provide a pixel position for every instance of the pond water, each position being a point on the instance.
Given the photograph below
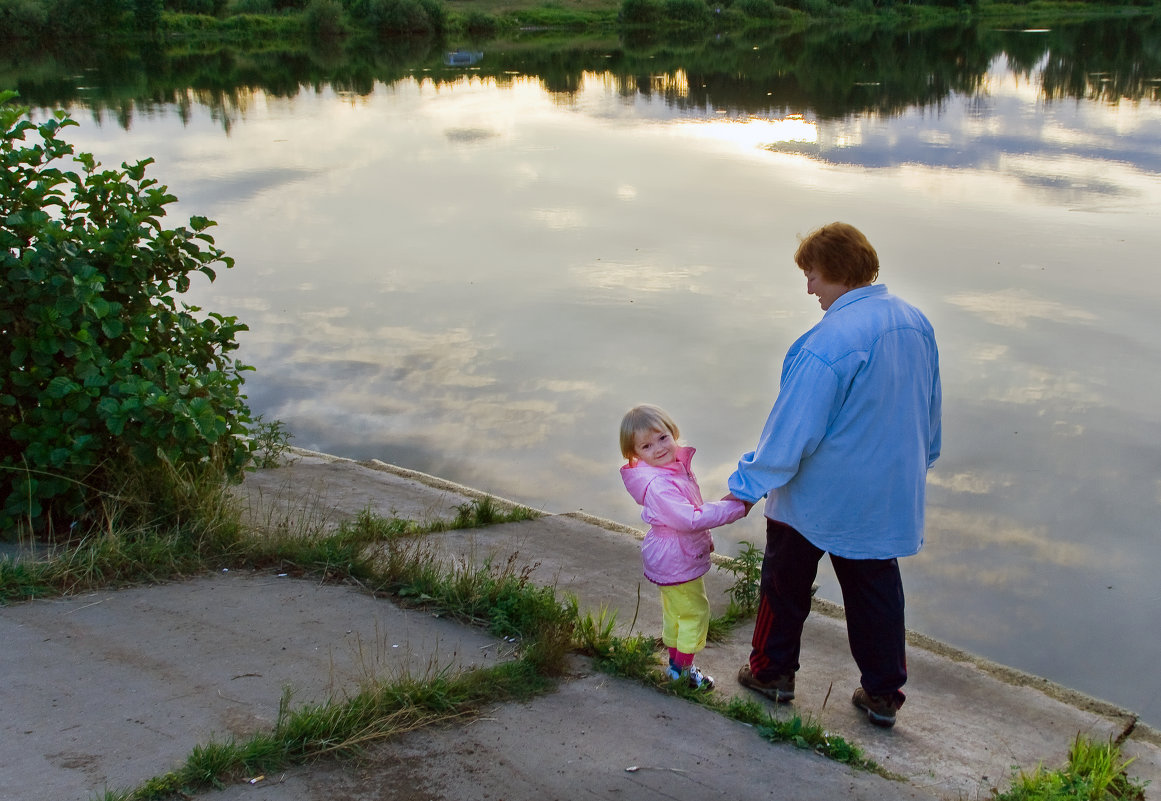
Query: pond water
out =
(474, 272)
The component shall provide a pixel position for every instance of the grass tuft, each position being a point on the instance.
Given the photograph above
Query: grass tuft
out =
(1094, 772)
(798, 731)
(743, 593)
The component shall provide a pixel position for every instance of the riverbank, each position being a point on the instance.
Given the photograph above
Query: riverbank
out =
(260, 23)
(113, 687)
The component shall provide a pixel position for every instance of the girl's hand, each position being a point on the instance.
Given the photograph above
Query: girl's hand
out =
(729, 496)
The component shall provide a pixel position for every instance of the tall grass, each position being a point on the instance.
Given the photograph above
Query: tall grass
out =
(346, 728)
(633, 656)
(201, 529)
(743, 592)
(800, 732)
(1094, 772)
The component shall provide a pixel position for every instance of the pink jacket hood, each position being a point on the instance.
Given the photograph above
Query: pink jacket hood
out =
(678, 546)
(637, 475)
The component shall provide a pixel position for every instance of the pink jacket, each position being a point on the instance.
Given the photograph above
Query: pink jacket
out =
(678, 545)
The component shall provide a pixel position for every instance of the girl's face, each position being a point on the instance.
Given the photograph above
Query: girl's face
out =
(655, 448)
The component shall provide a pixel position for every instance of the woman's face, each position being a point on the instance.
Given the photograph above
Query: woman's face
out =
(826, 290)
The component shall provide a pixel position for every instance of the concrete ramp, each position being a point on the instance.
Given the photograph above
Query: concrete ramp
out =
(111, 688)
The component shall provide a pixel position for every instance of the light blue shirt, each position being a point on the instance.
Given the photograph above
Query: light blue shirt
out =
(844, 454)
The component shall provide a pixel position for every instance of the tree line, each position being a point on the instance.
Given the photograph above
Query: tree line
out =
(42, 20)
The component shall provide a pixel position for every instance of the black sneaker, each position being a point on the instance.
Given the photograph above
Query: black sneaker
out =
(880, 709)
(779, 689)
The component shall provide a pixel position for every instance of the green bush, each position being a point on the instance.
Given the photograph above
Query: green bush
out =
(762, 9)
(642, 12)
(401, 17)
(147, 14)
(480, 23)
(692, 11)
(105, 371)
(404, 17)
(815, 8)
(324, 19)
(251, 7)
(22, 18)
(73, 18)
(818, 8)
(211, 8)
(436, 12)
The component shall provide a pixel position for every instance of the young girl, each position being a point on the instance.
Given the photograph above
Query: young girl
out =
(676, 551)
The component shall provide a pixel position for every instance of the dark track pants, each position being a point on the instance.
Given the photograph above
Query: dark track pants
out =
(872, 595)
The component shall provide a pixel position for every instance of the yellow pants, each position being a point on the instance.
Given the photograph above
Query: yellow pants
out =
(686, 615)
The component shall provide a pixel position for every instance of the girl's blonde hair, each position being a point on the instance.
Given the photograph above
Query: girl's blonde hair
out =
(645, 417)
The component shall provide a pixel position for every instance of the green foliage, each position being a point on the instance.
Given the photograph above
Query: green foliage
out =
(694, 12)
(763, 9)
(387, 18)
(817, 8)
(271, 441)
(632, 656)
(81, 18)
(484, 511)
(125, 558)
(104, 368)
(436, 12)
(251, 7)
(1095, 772)
(481, 24)
(147, 14)
(209, 7)
(324, 19)
(747, 570)
(642, 12)
(22, 581)
(798, 731)
(22, 18)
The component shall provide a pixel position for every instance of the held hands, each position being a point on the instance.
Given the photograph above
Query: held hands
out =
(729, 496)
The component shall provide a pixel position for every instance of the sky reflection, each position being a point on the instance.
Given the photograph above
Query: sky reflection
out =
(476, 280)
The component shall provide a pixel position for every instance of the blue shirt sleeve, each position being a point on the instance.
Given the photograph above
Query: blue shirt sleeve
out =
(936, 445)
(796, 425)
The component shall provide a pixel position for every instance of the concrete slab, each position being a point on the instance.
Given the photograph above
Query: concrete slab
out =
(596, 738)
(112, 688)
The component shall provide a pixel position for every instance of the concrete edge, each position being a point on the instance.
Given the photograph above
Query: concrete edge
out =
(1132, 727)
(435, 482)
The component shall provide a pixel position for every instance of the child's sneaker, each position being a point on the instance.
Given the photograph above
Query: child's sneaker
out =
(697, 680)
